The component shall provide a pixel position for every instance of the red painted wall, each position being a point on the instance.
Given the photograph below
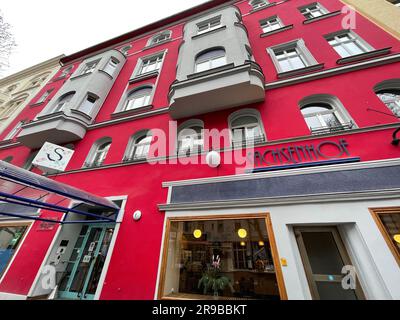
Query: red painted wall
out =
(133, 270)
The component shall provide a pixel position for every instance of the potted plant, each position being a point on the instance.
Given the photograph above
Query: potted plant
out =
(212, 279)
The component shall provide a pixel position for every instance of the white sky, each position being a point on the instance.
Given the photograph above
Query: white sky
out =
(44, 29)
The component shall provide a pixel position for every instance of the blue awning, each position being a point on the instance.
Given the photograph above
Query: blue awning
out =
(23, 192)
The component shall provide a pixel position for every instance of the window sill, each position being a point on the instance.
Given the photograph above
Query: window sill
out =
(208, 32)
(37, 104)
(80, 76)
(325, 16)
(263, 7)
(5, 142)
(107, 74)
(130, 112)
(211, 71)
(157, 44)
(266, 34)
(82, 114)
(190, 296)
(331, 130)
(145, 76)
(363, 56)
(50, 115)
(300, 71)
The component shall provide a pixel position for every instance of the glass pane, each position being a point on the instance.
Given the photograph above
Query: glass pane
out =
(353, 48)
(391, 223)
(322, 252)
(218, 62)
(341, 51)
(203, 66)
(285, 65)
(235, 255)
(313, 122)
(331, 120)
(314, 110)
(9, 240)
(334, 291)
(297, 63)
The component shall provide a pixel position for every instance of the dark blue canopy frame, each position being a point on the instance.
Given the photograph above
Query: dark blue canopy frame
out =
(32, 184)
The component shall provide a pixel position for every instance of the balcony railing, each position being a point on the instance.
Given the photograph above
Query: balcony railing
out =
(333, 129)
(93, 164)
(134, 158)
(248, 142)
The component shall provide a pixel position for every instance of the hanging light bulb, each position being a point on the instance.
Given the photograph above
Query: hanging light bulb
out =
(243, 244)
(242, 233)
(197, 233)
(261, 243)
(397, 238)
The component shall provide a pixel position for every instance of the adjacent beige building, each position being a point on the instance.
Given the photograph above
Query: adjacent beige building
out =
(18, 89)
(385, 13)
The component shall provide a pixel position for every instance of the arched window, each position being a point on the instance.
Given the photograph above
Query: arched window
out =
(246, 127)
(211, 59)
(38, 80)
(389, 93)
(256, 4)
(159, 38)
(125, 50)
(138, 98)
(190, 137)
(324, 114)
(98, 153)
(62, 102)
(139, 146)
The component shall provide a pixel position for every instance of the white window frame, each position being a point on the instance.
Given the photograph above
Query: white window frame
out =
(251, 140)
(132, 152)
(300, 46)
(353, 38)
(89, 67)
(132, 93)
(211, 61)
(142, 63)
(45, 95)
(306, 10)
(191, 139)
(87, 104)
(258, 4)
(61, 103)
(266, 24)
(209, 25)
(14, 131)
(389, 85)
(111, 66)
(97, 156)
(159, 38)
(125, 49)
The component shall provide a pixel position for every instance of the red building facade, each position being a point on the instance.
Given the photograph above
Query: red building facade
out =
(314, 86)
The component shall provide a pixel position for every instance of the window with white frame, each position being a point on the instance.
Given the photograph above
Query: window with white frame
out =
(62, 102)
(151, 64)
(313, 10)
(140, 146)
(271, 24)
(291, 56)
(14, 131)
(347, 43)
(98, 153)
(257, 4)
(66, 71)
(138, 98)
(210, 59)
(111, 66)
(246, 128)
(391, 98)
(160, 38)
(325, 113)
(190, 137)
(45, 96)
(88, 104)
(90, 67)
(125, 50)
(208, 25)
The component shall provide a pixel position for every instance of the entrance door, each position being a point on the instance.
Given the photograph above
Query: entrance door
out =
(324, 256)
(86, 263)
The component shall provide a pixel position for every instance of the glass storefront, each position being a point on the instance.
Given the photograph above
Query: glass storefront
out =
(389, 219)
(10, 237)
(224, 259)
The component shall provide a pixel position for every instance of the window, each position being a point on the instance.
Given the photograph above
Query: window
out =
(347, 43)
(45, 96)
(10, 238)
(291, 56)
(210, 59)
(111, 66)
(38, 80)
(239, 259)
(151, 64)
(14, 131)
(388, 220)
(209, 25)
(125, 50)
(159, 38)
(325, 114)
(257, 4)
(90, 67)
(140, 146)
(88, 104)
(66, 71)
(138, 98)
(62, 102)
(98, 153)
(388, 92)
(313, 10)
(246, 127)
(190, 137)
(271, 24)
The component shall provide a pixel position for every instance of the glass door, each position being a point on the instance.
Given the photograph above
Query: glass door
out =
(324, 256)
(86, 263)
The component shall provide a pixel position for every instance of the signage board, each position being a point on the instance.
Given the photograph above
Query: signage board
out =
(52, 158)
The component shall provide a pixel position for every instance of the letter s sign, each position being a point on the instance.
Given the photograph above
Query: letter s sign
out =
(57, 155)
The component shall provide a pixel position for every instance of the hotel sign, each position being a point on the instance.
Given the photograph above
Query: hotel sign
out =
(308, 153)
(52, 158)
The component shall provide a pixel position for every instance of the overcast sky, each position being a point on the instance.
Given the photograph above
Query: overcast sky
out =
(44, 29)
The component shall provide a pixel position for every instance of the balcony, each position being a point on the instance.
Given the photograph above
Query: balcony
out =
(332, 129)
(217, 89)
(57, 128)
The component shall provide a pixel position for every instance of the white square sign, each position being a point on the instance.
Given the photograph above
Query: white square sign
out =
(52, 158)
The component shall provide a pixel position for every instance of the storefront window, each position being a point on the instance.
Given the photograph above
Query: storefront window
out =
(389, 220)
(227, 259)
(9, 240)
